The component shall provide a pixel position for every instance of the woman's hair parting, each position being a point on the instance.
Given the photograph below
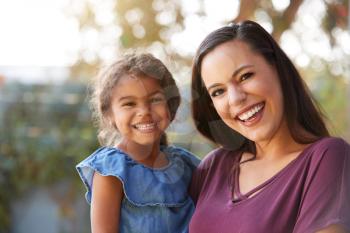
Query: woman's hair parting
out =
(101, 90)
(300, 107)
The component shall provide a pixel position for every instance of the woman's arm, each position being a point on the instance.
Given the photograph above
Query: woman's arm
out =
(333, 229)
(107, 195)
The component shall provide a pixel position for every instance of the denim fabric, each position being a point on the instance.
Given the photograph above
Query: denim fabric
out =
(155, 200)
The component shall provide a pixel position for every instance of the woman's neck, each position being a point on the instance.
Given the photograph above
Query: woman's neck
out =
(280, 145)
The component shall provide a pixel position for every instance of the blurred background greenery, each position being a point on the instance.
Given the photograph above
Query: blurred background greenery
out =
(45, 123)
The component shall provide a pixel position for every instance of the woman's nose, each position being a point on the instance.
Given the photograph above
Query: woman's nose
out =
(236, 95)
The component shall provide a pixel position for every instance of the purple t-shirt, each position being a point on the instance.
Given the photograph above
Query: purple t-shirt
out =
(310, 193)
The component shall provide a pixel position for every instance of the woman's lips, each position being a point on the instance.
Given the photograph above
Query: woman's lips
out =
(252, 115)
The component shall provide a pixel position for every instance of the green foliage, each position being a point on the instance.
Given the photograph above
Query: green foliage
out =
(330, 92)
(44, 132)
(142, 21)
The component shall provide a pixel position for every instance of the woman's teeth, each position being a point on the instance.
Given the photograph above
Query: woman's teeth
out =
(248, 114)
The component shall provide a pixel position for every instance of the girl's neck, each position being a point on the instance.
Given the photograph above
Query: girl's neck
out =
(149, 155)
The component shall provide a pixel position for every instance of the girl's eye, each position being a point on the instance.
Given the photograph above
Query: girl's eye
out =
(217, 92)
(157, 99)
(246, 76)
(128, 104)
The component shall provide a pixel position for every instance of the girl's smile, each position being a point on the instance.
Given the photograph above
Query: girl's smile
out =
(139, 109)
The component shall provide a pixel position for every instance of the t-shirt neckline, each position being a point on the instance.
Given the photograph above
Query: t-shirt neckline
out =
(238, 197)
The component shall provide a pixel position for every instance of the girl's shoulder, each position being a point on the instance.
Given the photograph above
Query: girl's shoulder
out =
(142, 185)
(183, 154)
(106, 160)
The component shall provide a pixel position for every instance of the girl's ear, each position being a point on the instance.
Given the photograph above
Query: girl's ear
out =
(169, 114)
(112, 124)
(110, 120)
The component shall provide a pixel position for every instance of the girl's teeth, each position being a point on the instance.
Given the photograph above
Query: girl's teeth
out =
(245, 116)
(145, 126)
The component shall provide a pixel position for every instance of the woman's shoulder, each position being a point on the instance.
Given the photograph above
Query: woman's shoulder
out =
(217, 157)
(330, 145)
(328, 150)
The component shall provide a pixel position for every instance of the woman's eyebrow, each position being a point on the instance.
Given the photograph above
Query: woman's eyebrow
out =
(235, 73)
(239, 69)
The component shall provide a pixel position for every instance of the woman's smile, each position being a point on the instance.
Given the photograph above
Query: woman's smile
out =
(245, 90)
(251, 115)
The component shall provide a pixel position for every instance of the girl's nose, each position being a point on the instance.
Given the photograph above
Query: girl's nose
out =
(236, 95)
(144, 109)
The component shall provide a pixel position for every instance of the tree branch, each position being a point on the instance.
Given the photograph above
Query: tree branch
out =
(246, 10)
(282, 23)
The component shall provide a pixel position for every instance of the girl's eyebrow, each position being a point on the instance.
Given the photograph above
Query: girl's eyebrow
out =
(157, 92)
(129, 97)
(126, 98)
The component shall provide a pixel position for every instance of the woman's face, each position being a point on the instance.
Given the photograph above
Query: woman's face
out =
(245, 90)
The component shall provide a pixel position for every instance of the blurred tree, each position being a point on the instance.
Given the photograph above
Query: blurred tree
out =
(281, 20)
(44, 131)
(142, 24)
(150, 24)
(138, 24)
(336, 14)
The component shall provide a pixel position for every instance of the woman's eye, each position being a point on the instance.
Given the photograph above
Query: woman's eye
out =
(246, 76)
(217, 92)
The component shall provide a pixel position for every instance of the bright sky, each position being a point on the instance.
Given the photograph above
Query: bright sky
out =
(37, 33)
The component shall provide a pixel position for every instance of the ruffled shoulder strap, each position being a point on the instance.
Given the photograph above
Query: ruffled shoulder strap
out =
(142, 185)
(191, 159)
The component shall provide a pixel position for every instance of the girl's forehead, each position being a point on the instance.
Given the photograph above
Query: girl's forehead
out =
(138, 86)
(136, 78)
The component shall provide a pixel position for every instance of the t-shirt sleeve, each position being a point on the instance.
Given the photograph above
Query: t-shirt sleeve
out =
(326, 198)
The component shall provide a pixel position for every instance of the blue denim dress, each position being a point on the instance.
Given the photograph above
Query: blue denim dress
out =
(155, 199)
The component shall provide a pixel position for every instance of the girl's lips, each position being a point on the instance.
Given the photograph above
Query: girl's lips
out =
(145, 127)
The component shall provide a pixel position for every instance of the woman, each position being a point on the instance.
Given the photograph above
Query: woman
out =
(278, 170)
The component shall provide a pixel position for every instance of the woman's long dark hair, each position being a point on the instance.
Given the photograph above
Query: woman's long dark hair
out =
(300, 109)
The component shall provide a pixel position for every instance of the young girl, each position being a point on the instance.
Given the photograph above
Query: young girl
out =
(136, 182)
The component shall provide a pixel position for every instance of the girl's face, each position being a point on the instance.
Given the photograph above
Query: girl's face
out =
(139, 109)
(245, 91)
